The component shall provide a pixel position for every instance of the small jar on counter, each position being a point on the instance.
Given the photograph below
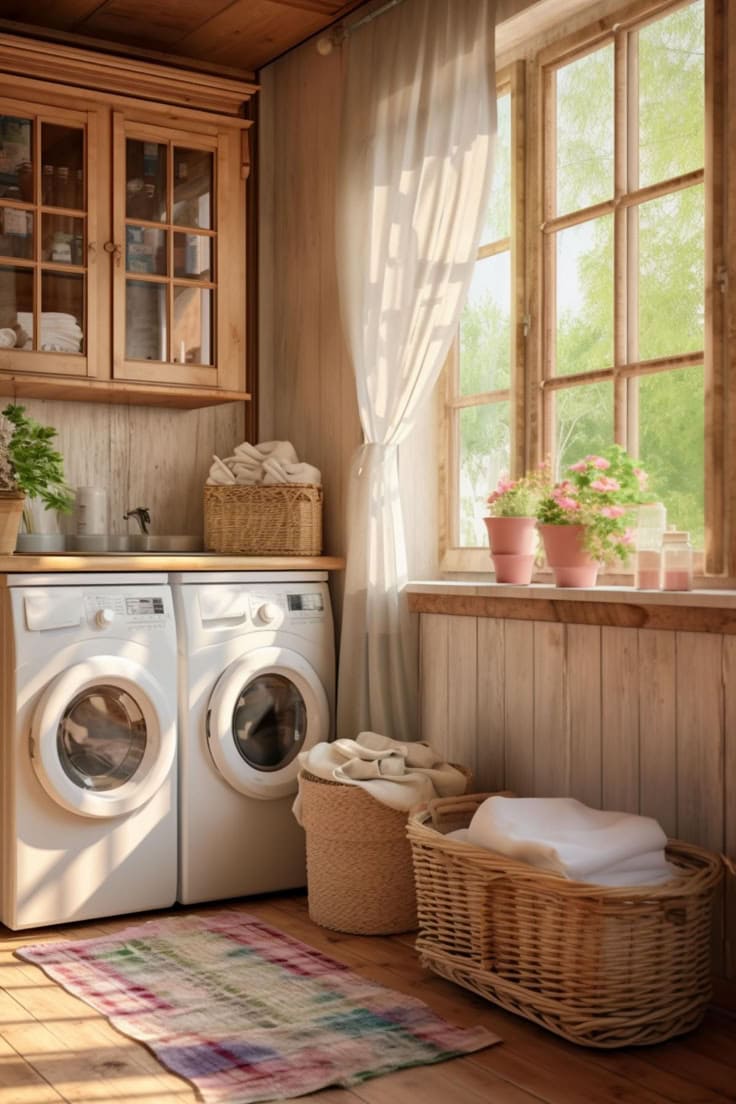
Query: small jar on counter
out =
(677, 561)
(651, 525)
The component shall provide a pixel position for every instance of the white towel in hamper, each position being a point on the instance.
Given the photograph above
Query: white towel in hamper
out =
(277, 471)
(567, 837)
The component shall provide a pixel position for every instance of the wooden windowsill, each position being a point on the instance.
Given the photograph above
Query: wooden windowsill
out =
(688, 611)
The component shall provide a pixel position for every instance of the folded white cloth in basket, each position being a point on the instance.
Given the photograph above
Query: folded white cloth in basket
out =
(270, 462)
(277, 471)
(563, 835)
(397, 773)
(220, 472)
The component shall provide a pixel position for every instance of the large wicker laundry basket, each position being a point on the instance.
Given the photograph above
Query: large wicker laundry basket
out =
(600, 966)
(283, 519)
(359, 864)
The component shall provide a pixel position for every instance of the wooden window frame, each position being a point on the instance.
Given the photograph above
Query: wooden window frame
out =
(453, 557)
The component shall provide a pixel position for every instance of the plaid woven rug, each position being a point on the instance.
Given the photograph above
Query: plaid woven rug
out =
(244, 1011)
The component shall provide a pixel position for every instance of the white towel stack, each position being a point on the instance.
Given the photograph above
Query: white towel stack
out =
(565, 836)
(395, 773)
(267, 463)
(60, 333)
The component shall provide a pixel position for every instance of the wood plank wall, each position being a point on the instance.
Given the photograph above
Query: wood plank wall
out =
(635, 719)
(143, 456)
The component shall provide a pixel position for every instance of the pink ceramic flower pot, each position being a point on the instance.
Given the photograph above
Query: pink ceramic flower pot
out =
(566, 555)
(511, 536)
(513, 569)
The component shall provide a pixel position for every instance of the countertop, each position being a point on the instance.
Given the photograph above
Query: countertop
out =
(23, 563)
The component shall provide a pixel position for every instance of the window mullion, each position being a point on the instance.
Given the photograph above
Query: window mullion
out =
(623, 265)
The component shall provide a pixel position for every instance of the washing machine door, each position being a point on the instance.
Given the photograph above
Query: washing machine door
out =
(265, 709)
(103, 737)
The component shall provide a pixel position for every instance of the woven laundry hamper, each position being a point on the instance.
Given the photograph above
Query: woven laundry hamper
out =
(600, 966)
(283, 519)
(359, 865)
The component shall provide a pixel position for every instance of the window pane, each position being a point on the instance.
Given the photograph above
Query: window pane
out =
(585, 131)
(16, 158)
(671, 273)
(485, 454)
(63, 239)
(16, 307)
(146, 330)
(62, 161)
(498, 215)
(671, 445)
(583, 422)
(192, 326)
(193, 188)
(145, 250)
(193, 256)
(16, 233)
(671, 95)
(585, 297)
(146, 180)
(62, 312)
(485, 328)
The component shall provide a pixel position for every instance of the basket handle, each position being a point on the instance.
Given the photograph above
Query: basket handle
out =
(729, 864)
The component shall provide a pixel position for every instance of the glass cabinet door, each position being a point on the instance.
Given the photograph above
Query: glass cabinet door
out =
(168, 269)
(44, 240)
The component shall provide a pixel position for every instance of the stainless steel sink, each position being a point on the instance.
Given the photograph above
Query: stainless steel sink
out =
(108, 544)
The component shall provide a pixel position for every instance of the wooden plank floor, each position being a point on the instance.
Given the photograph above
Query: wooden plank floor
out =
(53, 1047)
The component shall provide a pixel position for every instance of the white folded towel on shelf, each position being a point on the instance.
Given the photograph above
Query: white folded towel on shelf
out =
(564, 836)
(269, 463)
(398, 774)
(275, 471)
(60, 333)
(7, 337)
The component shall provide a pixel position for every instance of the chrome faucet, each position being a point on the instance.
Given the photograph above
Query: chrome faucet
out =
(142, 515)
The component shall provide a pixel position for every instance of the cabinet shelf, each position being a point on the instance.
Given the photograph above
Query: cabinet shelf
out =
(110, 391)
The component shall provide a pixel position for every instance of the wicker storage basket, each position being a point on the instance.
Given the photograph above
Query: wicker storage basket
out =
(600, 966)
(359, 863)
(283, 519)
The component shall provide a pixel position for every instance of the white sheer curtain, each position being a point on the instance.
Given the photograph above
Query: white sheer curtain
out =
(419, 122)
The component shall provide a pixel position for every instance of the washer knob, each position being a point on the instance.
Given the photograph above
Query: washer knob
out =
(268, 613)
(104, 617)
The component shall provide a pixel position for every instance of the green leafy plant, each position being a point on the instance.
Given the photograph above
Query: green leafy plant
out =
(29, 462)
(520, 497)
(600, 493)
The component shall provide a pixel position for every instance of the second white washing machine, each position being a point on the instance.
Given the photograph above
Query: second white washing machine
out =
(256, 687)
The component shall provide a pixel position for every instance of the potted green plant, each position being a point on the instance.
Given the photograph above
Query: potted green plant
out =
(586, 519)
(30, 467)
(511, 522)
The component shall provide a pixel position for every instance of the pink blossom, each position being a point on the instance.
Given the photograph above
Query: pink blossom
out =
(605, 484)
(566, 503)
(612, 511)
(579, 467)
(641, 476)
(600, 463)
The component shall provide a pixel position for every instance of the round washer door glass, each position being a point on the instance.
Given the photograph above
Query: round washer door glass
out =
(269, 722)
(101, 738)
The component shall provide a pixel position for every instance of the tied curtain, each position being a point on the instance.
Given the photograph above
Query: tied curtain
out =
(419, 123)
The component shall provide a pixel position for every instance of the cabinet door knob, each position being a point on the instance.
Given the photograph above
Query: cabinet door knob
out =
(114, 249)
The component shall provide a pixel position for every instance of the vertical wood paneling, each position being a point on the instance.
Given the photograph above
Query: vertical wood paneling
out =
(435, 667)
(551, 746)
(729, 776)
(584, 712)
(491, 768)
(700, 742)
(657, 728)
(620, 719)
(519, 706)
(462, 647)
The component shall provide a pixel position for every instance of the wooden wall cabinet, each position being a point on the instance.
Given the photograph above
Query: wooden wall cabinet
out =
(122, 230)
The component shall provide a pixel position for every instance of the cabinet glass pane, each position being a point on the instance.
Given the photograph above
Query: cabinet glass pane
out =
(63, 239)
(16, 233)
(62, 312)
(146, 328)
(16, 308)
(192, 325)
(193, 188)
(62, 166)
(145, 250)
(16, 158)
(145, 174)
(193, 256)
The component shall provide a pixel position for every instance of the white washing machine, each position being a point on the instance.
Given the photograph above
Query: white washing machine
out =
(257, 686)
(87, 746)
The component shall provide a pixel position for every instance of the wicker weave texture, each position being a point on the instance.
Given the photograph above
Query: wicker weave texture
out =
(282, 519)
(359, 866)
(600, 966)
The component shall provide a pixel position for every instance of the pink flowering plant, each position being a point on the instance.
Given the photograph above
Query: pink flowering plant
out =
(520, 497)
(600, 493)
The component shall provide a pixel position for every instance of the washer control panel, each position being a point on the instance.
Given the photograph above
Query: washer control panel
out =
(105, 610)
